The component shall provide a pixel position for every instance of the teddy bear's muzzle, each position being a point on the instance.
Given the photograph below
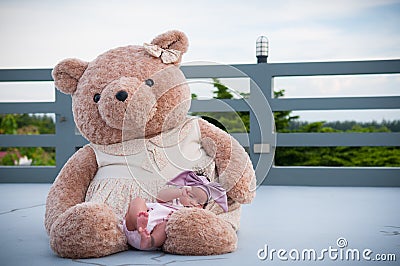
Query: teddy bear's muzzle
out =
(126, 104)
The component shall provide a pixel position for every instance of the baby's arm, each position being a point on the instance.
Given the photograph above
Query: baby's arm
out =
(169, 194)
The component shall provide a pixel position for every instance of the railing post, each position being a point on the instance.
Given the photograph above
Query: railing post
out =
(65, 129)
(262, 135)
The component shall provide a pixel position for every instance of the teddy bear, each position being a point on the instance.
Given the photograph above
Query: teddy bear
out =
(131, 103)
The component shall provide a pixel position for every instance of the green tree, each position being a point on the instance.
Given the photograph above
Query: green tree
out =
(232, 122)
(27, 125)
(9, 124)
(222, 91)
(283, 118)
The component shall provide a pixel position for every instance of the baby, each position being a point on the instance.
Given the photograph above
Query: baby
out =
(145, 223)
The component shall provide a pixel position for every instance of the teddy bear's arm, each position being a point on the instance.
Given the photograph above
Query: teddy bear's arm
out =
(71, 184)
(233, 164)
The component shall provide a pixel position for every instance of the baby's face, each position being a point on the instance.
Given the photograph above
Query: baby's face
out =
(196, 197)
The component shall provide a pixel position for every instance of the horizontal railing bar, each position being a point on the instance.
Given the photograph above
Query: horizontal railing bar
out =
(213, 71)
(336, 103)
(298, 176)
(29, 107)
(348, 139)
(335, 68)
(334, 176)
(219, 105)
(28, 174)
(283, 140)
(239, 70)
(14, 75)
(295, 69)
(44, 140)
(224, 105)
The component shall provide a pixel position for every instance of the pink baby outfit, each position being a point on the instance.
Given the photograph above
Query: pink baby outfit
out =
(158, 212)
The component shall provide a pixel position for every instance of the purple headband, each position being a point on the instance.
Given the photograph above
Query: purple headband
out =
(213, 190)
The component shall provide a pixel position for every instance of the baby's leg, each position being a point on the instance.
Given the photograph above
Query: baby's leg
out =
(154, 240)
(137, 215)
(159, 235)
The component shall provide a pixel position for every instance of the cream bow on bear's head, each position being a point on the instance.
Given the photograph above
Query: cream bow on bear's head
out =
(167, 56)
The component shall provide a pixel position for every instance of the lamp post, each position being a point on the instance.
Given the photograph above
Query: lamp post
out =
(262, 49)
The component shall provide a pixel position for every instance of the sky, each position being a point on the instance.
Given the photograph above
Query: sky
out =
(38, 34)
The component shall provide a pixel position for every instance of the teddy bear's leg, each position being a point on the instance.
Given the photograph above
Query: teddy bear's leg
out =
(192, 231)
(87, 230)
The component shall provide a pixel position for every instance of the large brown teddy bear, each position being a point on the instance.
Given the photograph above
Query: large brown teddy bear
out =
(131, 103)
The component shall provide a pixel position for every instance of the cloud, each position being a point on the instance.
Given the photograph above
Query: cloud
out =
(219, 31)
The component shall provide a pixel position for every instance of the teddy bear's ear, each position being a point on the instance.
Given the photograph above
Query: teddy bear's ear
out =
(67, 73)
(173, 39)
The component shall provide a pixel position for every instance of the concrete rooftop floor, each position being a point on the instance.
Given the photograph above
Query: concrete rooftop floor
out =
(287, 218)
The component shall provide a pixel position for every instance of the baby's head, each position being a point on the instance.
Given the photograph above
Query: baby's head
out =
(202, 189)
(194, 197)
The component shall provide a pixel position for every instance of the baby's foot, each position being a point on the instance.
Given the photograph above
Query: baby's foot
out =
(145, 238)
(142, 219)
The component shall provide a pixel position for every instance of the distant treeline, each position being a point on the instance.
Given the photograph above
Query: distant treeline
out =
(391, 126)
(26, 124)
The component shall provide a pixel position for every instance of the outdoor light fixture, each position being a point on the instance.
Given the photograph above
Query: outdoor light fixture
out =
(262, 49)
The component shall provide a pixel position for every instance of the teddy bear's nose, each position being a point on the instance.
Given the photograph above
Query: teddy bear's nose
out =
(121, 96)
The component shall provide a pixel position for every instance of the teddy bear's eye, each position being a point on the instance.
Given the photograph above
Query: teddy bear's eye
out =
(96, 97)
(149, 82)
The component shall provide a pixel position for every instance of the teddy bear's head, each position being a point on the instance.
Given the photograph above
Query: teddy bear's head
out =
(135, 91)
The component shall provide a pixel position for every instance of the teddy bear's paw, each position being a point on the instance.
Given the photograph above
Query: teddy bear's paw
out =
(87, 230)
(192, 231)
